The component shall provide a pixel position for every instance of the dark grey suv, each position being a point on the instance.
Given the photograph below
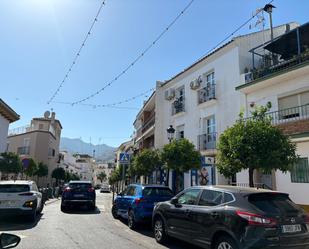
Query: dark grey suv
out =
(226, 217)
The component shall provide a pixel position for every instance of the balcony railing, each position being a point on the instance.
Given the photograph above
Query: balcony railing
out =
(289, 115)
(207, 93)
(24, 150)
(148, 123)
(207, 141)
(178, 106)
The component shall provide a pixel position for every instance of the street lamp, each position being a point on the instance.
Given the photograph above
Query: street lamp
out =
(170, 133)
(170, 137)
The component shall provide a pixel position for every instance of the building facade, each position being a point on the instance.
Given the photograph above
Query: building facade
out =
(39, 141)
(281, 78)
(201, 102)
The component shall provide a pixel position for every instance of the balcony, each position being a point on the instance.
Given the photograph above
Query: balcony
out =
(207, 141)
(178, 105)
(207, 93)
(287, 52)
(24, 150)
(149, 122)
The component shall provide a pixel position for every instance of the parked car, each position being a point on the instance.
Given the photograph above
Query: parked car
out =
(8, 240)
(105, 188)
(136, 203)
(78, 193)
(20, 198)
(226, 217)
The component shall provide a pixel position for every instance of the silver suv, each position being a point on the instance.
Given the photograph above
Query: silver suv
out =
(20, 198)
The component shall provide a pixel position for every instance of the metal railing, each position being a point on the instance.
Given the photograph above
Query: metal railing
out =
(207, 141)
(277, 66)
(288, 115)
(148, 123)
(178, 106)
(247, 185)
(19, 130)
(24, 150)
(207, 93)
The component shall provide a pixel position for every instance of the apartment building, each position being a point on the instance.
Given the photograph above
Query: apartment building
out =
(201, 102)
(279, 74)
(7, 116)
(39, 141)
(144, 125)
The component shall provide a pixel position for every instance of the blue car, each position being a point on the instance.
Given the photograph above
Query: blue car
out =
(136, 203)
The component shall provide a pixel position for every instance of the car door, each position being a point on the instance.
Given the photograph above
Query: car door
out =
(128, 198)
(206, 216)
(178, 216)
(120, 202)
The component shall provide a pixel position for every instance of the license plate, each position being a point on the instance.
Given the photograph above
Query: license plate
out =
(291, 228)
(78, 195)
(7, 203)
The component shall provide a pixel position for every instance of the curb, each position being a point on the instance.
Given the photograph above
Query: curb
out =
(51, 201)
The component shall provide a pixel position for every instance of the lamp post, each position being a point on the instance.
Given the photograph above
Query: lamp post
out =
(170, 137)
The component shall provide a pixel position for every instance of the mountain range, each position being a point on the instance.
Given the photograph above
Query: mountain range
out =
(75, 145)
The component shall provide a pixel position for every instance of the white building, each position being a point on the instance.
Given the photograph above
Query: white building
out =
(7, 116)
(85, 164)
(283, 80)
(201, 101)
(68, 163)
(99, 168)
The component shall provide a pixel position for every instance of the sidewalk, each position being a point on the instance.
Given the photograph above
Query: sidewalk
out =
(50, 201)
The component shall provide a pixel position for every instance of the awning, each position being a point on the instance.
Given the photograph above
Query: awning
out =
(287, 46)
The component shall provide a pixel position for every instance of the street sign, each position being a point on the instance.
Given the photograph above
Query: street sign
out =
(124, 158)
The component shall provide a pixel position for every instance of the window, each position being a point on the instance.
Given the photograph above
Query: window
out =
(14, 188)
(211, 198)
(51, 152)
(300, 171)
(180, 131)
(294, 105)
(26, 142)
(228, 197)
(208, 92)
(41, 126)
(131, 191)
(209, 125)
(179, 105)
(189, 197)
(152, 191)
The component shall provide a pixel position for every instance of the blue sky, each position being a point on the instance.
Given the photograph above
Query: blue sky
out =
(39, 39)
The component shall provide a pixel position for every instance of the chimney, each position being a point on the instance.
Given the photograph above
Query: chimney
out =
(53, 116)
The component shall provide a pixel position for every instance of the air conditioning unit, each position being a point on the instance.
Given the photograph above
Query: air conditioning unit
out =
(195, 84)
(170, 94)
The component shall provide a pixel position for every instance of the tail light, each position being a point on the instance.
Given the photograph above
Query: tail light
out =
(255, 219)
(138, 200)
(67, 189)
(26, 194)
(91, 189)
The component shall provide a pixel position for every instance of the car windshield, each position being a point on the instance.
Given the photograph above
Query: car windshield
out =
(155, 191)
(80, 185)
(274, 203)
(14, 188)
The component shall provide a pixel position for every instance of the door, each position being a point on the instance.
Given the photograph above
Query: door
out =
(120, 202)
(128, 198)
(179, 219)
(207, 216)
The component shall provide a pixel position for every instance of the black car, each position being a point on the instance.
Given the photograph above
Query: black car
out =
(226, 217)
(78, 193)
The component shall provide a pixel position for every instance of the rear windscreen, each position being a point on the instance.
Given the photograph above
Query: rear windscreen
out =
(14, 188)
(153, 191)
(273, 203)
(80, 185)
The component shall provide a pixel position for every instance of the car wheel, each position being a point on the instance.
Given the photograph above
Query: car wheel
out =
(41, 208)
(159, 230)
(115, 212)
(131, 220)
(226, 242)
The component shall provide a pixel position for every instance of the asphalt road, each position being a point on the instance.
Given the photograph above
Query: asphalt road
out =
(82, 229)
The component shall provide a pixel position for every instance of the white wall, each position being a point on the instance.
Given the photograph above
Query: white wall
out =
(4, 127)
(299, 192)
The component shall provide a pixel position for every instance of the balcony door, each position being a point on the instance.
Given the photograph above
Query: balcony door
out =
(209, 131)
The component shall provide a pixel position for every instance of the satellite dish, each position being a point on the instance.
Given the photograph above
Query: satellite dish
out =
(46, 114)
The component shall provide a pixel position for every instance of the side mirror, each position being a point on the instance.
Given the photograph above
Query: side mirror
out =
(174, 201)
(8, 240)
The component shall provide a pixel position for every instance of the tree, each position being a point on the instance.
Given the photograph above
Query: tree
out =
(180, 156)
(31, 168)
(58, 174)
(102, 176)
(42, 170)
(145, 163)
(255, 144)
(9, 163)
